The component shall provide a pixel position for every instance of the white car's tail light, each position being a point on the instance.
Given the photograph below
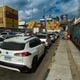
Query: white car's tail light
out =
(23, 54)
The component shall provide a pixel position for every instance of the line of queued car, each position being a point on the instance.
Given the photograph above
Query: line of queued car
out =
(21, 52)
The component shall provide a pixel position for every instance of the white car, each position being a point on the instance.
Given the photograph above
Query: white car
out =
(52, 36)
(45, 38)
(7, 34)
(21, 53)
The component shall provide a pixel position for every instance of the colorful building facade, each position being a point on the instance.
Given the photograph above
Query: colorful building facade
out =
(8, 17)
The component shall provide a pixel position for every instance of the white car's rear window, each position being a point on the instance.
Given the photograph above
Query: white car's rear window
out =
(12, 46)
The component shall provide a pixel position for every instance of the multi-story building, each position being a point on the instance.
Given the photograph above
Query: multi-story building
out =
(8, 17)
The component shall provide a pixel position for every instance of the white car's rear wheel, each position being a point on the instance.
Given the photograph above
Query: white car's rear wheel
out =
(34, 64)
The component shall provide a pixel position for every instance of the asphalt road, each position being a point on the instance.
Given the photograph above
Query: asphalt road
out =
(40, 73)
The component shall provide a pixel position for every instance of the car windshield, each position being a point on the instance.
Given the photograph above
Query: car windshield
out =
(12, 46)
(41, 36)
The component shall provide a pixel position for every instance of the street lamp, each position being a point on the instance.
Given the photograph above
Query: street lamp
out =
(44, 12)
(32, 14)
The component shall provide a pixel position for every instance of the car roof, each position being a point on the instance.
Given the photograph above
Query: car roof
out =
(19, 39)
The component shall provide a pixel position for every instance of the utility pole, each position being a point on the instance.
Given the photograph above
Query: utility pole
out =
(44, 13)
(32, 14)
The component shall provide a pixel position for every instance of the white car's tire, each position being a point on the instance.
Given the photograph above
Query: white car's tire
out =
(34, 64)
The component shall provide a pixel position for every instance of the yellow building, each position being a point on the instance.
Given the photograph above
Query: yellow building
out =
(31, 24)
(52, 25)
(8, 17)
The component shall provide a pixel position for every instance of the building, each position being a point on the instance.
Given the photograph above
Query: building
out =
(43, 22)
(22, 25)
(37, 27)
(31, 24)
(64, 17)
(52, 25)
(8, 17)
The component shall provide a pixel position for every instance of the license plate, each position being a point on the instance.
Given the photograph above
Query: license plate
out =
(7, 58)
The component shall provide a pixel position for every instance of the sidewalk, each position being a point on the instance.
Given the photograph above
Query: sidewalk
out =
(61, 69)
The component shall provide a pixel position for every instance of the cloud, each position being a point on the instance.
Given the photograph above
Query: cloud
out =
(27, 13)
(35, 9)
(66, 7)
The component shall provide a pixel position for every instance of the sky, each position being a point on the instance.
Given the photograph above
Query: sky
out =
(35, 9)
